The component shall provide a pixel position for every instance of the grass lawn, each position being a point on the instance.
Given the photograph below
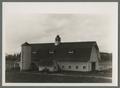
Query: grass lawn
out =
(36, 77)
(107, 73)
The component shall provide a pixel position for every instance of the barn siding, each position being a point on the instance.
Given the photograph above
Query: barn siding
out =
(73, 66)
(94, 57)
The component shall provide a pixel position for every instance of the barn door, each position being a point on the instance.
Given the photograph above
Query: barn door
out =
(93, 66)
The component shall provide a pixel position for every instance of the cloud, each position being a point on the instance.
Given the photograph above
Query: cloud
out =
(34, 27)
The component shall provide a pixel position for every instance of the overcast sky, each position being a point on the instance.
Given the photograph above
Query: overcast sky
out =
(74, 22)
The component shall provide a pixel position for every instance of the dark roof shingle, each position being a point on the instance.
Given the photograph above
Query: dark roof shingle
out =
(81, 51)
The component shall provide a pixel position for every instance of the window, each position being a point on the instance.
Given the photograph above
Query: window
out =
(84, 67)
(62, 66)
(76, 67)
(51, 52)
(71, 52)
(34, 52)
(69, 67)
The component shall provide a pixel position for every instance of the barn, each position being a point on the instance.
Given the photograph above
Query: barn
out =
(60, 56)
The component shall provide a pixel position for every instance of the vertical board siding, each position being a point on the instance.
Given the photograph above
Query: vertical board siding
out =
(94, 57)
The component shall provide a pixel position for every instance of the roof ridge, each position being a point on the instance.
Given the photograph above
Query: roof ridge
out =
(66, 42)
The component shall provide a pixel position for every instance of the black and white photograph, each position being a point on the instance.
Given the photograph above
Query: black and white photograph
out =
(60, 44)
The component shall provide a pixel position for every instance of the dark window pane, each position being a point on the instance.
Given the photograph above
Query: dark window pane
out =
(84, 67)
(76, 67)
(69, 67)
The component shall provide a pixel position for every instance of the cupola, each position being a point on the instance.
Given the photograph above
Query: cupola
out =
(57, 40)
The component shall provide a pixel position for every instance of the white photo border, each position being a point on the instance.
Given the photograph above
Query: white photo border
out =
(44, 4)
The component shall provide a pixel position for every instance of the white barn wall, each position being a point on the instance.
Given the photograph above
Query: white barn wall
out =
(73, 66)
(94, 57)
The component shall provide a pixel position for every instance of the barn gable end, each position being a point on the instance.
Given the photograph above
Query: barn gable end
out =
(94, 58)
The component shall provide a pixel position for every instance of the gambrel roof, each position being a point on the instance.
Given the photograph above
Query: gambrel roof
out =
(66, 51)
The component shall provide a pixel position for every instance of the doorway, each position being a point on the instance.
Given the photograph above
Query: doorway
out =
(93, 66)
